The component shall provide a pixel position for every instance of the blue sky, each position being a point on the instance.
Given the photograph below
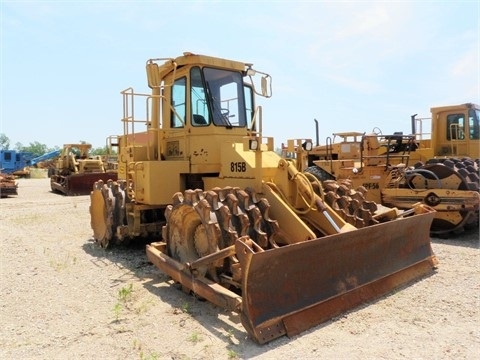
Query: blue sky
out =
(352, 65)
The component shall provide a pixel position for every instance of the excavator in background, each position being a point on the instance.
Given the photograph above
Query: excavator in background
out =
(75, 170)
(439, 169)
(230, 219)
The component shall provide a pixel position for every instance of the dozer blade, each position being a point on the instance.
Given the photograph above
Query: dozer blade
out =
(81, 184)
(293, 288)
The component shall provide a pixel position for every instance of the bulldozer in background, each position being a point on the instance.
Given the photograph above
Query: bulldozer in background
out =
(232, 221)
(75, 170)
(439, 169)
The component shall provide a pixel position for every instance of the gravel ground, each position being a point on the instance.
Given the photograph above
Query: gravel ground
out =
(63, 297)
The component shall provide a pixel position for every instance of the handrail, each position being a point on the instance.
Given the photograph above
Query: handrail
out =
(402, 153)
(257, 116)
(455, 133)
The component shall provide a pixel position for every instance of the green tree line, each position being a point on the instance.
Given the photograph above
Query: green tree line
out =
(38, 149)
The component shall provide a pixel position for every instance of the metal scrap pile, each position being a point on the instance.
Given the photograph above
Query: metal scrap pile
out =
(8, 185)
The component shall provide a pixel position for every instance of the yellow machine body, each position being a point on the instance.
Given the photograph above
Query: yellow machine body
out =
(232, 220)
(438, 168)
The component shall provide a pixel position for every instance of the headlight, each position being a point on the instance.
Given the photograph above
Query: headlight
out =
(307, 145)
(253, 144)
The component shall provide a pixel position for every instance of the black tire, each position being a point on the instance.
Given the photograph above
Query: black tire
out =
(319, 173)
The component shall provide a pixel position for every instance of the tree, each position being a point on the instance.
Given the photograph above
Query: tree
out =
(35, 148)
(4, 142)
(102, 151)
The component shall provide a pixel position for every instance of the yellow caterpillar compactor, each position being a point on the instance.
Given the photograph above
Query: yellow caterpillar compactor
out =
(234, 222)
(440, 169)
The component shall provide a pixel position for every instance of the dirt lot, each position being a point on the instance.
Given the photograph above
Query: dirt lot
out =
(63, 297)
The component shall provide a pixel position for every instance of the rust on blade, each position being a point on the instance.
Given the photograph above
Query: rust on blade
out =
(295, 287)
(81, 184)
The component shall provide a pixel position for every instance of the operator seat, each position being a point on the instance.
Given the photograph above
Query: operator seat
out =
(199, 120)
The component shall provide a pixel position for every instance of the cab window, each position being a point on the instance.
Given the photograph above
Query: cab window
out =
(224, 93)
(177, 118)
(249, 105)
(200, 112)
(473, 124)
(455, 127)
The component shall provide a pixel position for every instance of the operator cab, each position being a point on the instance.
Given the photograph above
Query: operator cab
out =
(456, 130)
(197, 105)
(209, 105)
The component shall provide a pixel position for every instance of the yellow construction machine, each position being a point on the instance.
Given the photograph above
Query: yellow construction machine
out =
(440, 169)
(76, 170)
(234, 222)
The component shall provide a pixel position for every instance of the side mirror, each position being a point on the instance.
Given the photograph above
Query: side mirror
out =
(153, 77)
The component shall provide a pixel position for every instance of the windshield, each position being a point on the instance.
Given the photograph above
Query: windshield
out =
(224, 94)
